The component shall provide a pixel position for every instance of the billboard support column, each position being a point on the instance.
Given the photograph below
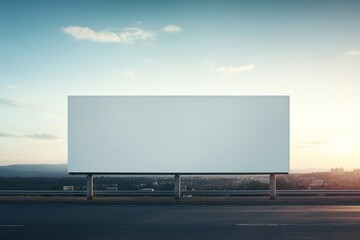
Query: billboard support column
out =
(272, 186)
(177, 187)
(89, 187)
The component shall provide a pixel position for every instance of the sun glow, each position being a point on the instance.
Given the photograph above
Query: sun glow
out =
(342, 145)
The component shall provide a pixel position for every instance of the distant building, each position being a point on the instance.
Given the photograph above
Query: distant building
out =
(111, 188)
(337, 171)
(68, 188)
(316, 183)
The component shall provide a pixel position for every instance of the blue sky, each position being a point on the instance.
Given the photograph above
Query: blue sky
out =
(309, 50)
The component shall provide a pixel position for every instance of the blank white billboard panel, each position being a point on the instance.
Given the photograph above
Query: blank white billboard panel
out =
(178, 134)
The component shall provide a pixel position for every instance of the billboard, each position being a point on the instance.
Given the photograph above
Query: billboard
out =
(178, 134)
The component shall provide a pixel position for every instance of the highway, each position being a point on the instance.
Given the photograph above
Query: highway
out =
(111, 221)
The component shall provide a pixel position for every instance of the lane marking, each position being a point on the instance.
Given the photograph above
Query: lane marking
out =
(260, 224)
(11, 225)
(278, 224)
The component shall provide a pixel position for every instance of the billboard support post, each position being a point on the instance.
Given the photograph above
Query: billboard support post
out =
(272, 186)
(177, 186)
(89, 187)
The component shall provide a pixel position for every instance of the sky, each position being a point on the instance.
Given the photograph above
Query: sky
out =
(309, 50)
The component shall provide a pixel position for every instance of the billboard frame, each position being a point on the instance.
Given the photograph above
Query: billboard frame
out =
(177, 175)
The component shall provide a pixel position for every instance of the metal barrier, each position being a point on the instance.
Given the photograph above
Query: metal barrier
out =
(183, 193)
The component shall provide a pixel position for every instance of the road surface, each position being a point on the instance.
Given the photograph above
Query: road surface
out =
(111, 221)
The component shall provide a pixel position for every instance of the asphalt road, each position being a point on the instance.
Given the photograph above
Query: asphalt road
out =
(104, 221)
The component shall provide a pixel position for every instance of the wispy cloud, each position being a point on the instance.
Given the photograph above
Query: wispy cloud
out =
(172, 29)
(232, 69)
(127, 36)
(130, 74)
(42, 136)
(12, 86)
(9, 102)
(8, 135)
(352, 53)
(210, 62)
(19, 102)
(310, 144)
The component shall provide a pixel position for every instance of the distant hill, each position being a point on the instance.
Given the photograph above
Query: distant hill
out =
(60, 170)
(34, 170)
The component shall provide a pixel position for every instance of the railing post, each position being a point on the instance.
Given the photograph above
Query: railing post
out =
(177, 186)
(89, 187)
(272, 186)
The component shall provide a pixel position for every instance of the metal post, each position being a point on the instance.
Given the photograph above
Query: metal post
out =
(89, 187)
(272, 186)
(177, 188)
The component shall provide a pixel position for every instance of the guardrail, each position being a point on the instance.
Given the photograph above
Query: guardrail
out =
(188, 193)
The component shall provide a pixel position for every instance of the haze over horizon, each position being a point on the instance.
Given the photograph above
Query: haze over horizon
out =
(306, 49)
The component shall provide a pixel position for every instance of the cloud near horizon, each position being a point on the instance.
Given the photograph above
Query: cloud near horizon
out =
(8, 135)
(127, 36)
(352, 53)
(232, 69)
(310, 144)
(172, 29)
(9, 102)
(42, 136)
